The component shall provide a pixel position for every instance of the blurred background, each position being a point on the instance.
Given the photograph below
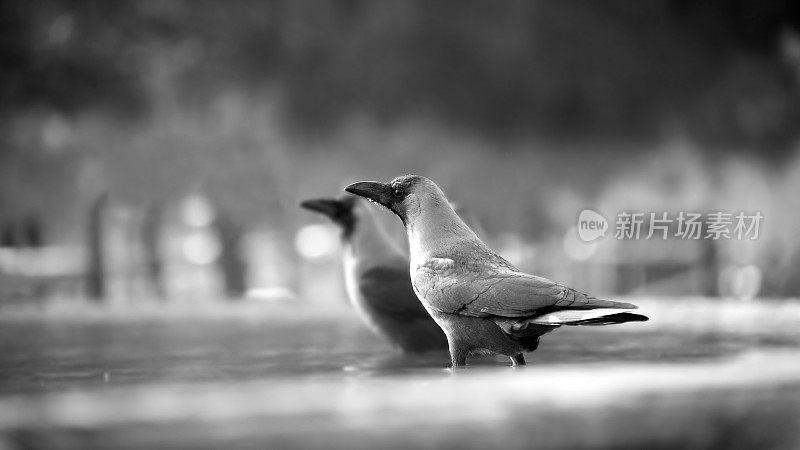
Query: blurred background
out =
(161, 148)
(167, 144)
(154, 153)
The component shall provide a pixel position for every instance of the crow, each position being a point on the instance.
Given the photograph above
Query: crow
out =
(376, 278)
(482, 302)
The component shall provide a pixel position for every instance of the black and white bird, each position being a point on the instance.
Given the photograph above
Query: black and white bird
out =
(376, 277)
(481, 301)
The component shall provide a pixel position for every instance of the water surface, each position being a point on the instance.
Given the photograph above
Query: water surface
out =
(299, 379)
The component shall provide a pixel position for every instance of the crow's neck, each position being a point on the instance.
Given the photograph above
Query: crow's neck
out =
(436, 234)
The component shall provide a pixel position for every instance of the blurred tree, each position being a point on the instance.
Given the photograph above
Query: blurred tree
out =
(96, 269)
(32, 231)
(231, 260)
(69, 56)
(573, 69)
(152, 248)
(8, 237)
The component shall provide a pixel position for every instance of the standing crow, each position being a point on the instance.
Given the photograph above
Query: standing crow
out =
(376, 277)
(482, 302)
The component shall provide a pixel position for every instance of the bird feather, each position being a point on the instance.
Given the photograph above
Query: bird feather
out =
(482, 289)
(391, 289)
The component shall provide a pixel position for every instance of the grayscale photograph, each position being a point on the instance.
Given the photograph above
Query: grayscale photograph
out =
(399, 224)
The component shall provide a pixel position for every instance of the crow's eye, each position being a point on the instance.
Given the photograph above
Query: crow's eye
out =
(397, 192)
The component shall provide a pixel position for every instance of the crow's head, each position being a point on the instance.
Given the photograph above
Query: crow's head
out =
(340, 210)
(406, 196)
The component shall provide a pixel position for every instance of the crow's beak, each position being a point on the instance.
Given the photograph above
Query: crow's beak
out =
(375, 191)
(326, 206)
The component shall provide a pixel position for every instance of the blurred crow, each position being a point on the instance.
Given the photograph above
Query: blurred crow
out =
(376, 277)
(482, 302)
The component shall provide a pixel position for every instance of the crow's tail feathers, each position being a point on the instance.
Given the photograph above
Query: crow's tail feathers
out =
(612, 319)
(590, 317)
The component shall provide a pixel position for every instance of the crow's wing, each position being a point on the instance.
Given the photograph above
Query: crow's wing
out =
(482, 289)
(388, 291)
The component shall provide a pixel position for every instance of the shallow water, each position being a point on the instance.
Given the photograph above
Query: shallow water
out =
(309, 380)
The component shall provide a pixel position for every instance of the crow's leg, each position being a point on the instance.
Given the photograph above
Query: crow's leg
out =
(518, 359)
(458, 354)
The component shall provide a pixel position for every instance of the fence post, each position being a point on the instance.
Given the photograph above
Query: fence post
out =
(231, 262)
(153, 255)
(95, 251)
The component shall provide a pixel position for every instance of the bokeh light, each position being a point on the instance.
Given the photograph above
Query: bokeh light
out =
(201, 248)
(742, 282)
(315, 242)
